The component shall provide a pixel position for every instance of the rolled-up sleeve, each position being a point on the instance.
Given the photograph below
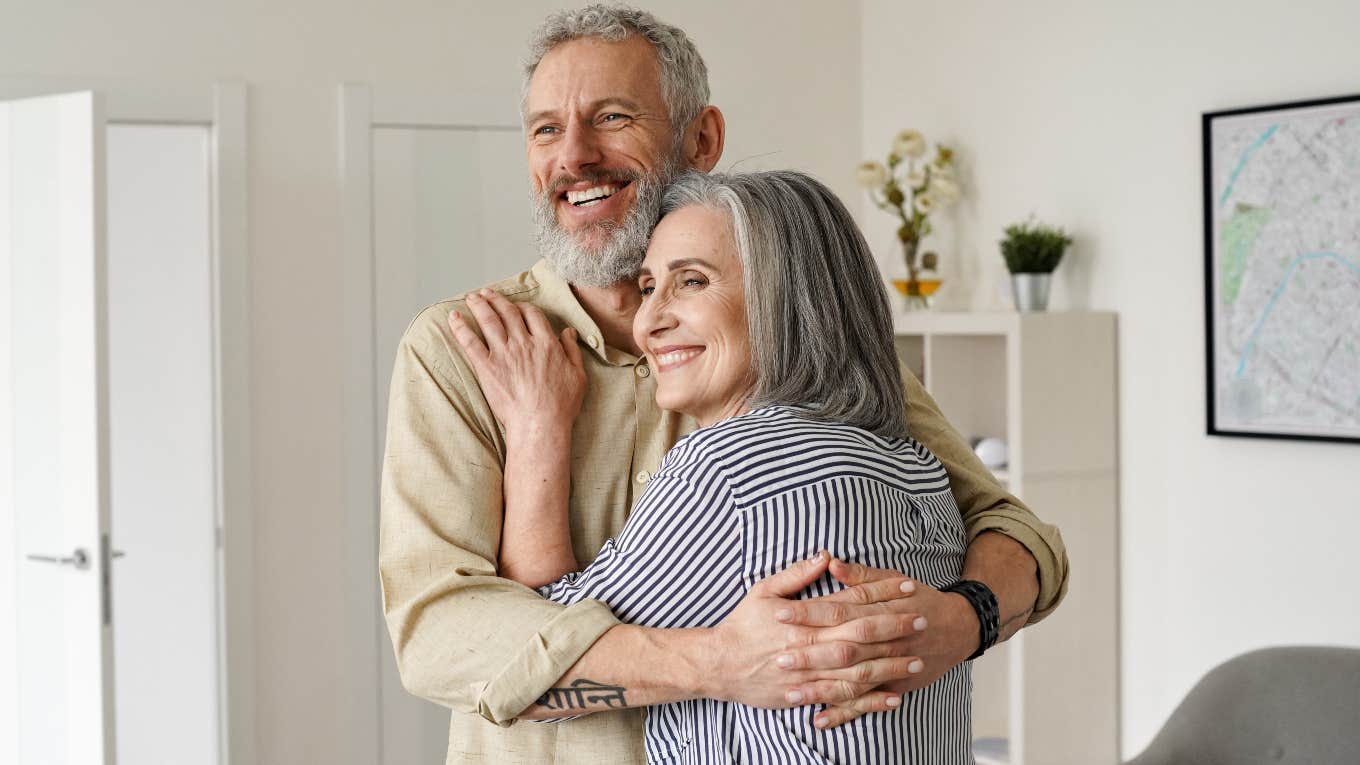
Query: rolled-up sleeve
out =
(464, 637)
(983, 501)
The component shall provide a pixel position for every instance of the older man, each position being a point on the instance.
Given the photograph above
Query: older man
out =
(616, 103)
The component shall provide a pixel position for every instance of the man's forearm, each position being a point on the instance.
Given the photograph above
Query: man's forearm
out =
(747, 658)
(1008, 568)
(629, 666)
(535, 534)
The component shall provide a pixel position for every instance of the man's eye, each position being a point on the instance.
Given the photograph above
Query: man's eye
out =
(614, 117)
(694, 281)
(545, 130)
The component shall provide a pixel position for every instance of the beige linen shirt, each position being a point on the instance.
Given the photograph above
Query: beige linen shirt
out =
(489, 647)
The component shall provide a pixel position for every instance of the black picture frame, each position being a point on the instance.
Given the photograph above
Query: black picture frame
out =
(1208, 121)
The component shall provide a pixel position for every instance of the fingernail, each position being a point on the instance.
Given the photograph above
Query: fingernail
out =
(919, 624)
(908, 586)
(820, 722)
(784, 614)
(784, 660)
(894, 701)
(915, 667)
(818, 557)
(794, 697)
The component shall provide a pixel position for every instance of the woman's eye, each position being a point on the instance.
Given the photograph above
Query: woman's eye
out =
(647, 290)
(694, 281)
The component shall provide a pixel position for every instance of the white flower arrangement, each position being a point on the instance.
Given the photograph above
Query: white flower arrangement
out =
(871, 174)
(909, 143)
(923, 203)
(911, 190)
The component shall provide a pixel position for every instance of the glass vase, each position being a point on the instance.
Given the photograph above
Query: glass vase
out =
(915, 290)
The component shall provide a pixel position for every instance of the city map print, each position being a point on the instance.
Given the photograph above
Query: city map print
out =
(1282, 269)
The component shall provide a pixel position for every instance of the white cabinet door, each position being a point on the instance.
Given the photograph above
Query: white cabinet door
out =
(56, 644)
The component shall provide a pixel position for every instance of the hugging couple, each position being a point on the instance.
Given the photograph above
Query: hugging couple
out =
(668, 496)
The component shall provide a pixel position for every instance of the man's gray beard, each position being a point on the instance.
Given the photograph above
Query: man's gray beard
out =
(619, 257)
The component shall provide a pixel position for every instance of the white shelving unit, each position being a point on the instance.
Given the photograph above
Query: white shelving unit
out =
(1046, 384)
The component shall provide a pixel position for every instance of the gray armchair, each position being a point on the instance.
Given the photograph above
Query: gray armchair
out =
(1296, 704)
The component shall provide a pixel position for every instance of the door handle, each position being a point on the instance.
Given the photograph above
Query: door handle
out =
(78, 559)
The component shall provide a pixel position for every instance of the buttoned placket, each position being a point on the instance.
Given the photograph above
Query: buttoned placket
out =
(656, 430)
(650, 444)
(651, 439)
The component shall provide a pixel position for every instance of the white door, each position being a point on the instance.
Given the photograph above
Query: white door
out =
(162, 444)
(56, 670)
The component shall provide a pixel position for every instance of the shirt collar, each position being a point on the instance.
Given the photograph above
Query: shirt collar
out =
(556, 297)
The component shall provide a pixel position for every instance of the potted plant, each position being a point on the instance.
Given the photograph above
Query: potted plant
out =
(910, 188)
(1032, 251)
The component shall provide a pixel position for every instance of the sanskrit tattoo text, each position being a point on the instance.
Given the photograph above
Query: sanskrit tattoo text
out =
(582, 694)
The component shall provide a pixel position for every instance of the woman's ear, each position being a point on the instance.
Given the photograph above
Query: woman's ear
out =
(704, 139)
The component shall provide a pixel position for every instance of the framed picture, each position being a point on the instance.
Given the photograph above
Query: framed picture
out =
(1282, 270)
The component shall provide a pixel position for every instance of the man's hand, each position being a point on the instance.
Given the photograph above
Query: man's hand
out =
(530, 375)
(774, 652)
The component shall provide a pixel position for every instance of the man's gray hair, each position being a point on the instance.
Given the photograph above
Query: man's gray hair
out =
(820, 327)
(684, 77)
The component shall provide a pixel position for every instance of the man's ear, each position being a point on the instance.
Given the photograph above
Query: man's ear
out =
(704, 139)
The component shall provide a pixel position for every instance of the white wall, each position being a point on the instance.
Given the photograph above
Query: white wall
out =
(292, 55)
(1087, 114)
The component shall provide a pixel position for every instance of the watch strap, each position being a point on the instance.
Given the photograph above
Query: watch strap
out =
(984, 603)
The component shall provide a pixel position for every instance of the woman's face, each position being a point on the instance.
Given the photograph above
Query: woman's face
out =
(692, 323)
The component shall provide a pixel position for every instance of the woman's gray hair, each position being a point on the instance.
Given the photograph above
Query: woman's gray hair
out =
(820, 327)
(684, 77)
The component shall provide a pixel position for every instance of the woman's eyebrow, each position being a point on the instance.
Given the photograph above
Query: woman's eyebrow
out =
(685, 262)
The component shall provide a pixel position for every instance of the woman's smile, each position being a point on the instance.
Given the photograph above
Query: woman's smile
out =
(670, 357)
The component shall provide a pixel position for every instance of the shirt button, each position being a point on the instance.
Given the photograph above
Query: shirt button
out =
(642, 370)
(593, 341)
(643, 476)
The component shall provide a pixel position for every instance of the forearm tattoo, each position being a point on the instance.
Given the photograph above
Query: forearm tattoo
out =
(584, 694)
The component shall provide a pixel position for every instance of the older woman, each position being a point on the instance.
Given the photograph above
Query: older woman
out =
(764, 318)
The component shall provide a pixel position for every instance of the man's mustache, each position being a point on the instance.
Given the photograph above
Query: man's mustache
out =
(603, 176)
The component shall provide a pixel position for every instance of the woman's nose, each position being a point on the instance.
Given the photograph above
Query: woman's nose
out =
(655, 315)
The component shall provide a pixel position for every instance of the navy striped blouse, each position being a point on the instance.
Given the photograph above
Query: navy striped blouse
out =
(736, 502)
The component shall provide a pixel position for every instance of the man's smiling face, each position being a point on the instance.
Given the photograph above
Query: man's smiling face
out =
(600, 146)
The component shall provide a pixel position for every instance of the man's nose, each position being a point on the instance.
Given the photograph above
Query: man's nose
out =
(580, 150)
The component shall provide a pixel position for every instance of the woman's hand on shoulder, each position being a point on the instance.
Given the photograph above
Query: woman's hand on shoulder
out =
(532, 377)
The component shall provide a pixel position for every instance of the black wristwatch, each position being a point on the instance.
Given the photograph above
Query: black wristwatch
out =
(984, 603)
